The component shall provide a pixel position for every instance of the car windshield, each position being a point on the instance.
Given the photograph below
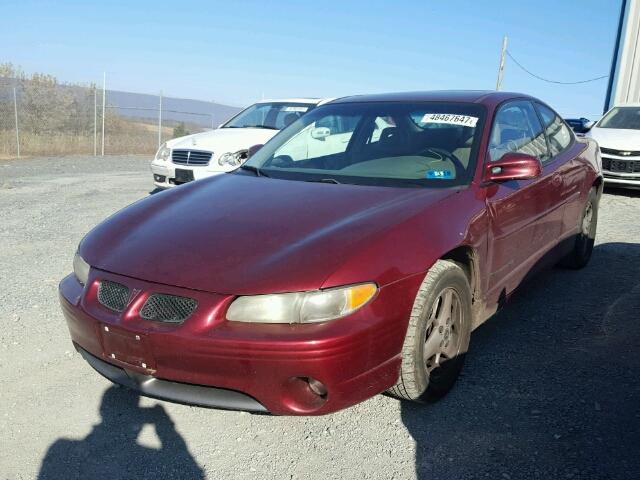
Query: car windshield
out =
(391, 144)
(271, 115)
(627, 118)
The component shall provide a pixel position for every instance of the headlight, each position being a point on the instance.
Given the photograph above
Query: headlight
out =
(232, 159)
(303, 307)
(81, 269)
(164, 152)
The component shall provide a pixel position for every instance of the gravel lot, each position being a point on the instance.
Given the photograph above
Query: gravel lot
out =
(551, 388)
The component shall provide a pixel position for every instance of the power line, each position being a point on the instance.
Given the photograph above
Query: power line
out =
(553, 81)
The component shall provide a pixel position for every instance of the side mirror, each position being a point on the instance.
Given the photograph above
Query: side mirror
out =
(513, 166)
(320, 133)
(252, 150)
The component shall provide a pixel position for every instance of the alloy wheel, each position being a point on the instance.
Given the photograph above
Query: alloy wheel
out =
(587, 219)
(443, 339)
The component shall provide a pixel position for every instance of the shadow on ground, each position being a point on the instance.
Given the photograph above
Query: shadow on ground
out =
(623, 192)
(112, 451)
(551, 386)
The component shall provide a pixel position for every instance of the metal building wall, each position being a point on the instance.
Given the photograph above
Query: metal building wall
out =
(624, 83)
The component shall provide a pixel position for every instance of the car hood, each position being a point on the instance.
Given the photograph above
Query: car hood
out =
(615, 138)
(238, 234)
(223, 140)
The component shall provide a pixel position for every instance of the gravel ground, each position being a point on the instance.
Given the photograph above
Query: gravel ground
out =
(550, 390)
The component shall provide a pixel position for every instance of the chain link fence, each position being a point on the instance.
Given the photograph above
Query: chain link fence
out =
(41, 117)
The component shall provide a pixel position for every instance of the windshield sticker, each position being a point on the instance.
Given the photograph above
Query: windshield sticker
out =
(295, 109)
(450, 119)
(439, 174)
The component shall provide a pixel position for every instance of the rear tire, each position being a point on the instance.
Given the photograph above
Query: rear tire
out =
(437, 336)
(587, 223)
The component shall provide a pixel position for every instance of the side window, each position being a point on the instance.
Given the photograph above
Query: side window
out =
(557, 131)
(516, 128)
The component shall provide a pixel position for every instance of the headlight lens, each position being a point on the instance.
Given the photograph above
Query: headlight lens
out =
(81, 269)
(232, 159)
(164, 152)
(303, 307)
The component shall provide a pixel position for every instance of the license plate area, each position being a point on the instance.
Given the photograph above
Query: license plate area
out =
(621, 166)
(126, 347)
(183, 176)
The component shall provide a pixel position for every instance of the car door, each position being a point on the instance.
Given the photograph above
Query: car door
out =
(519, 209)
(567, 171)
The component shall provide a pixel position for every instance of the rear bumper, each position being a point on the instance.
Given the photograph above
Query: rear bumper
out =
(267, 367)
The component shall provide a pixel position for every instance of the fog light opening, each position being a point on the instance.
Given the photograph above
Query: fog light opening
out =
(317, 387)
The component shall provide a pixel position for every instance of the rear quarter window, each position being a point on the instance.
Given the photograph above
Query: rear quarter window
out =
(558, 134)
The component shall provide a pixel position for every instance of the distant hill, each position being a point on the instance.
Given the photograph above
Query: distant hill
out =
(174, 110)
(140, 106)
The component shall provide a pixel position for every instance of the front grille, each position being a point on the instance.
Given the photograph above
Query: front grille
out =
(620, 166)
(113, 295)
(168, 308)
(620, 153)
(191, 157)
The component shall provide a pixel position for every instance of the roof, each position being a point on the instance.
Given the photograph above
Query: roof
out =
(630, 104)
(469, 96)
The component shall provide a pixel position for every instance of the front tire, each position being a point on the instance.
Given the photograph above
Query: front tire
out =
(437, 336)
(583, 246)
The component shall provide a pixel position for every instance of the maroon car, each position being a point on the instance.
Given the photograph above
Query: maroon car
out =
(353, 254)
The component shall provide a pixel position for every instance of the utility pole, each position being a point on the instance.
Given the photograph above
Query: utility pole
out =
(104, 105)
(15, 110)
(95, 120)
(160, 121)
(501, 67)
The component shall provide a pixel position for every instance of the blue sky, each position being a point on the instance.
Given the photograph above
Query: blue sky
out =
(237, 51)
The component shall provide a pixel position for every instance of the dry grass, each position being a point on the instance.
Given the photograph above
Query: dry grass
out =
(125, 137)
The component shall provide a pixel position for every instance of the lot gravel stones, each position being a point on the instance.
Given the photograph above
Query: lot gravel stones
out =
(551, 388)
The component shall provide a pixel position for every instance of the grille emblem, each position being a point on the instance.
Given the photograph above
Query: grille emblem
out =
(134, 294)
(626, 154)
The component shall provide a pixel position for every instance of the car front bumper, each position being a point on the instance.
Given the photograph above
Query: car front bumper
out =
(622, 182)
(210, 361)
(623, 172)
(164, 173)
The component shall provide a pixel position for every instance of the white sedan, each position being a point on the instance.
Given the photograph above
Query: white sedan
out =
(205, 154)
(618, 134)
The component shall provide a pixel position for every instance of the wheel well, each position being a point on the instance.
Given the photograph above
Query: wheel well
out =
(598, 183)
(465, 257)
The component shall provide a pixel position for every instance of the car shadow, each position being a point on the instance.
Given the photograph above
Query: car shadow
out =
(551, 385)
(112, 450)
(622, 192)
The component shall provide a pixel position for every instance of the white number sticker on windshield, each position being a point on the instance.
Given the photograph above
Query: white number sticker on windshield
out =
(450, 119)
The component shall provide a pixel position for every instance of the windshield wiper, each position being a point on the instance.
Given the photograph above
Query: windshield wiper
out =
(256, 170)
(325, 180)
